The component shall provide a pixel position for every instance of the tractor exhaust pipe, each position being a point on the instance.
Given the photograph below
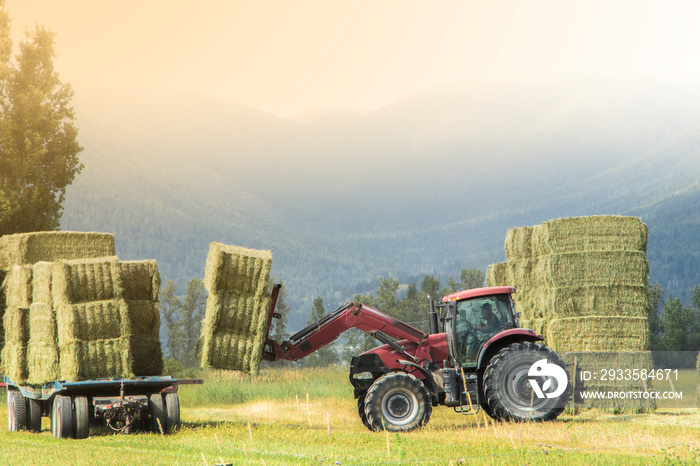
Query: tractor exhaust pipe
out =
(432, 316)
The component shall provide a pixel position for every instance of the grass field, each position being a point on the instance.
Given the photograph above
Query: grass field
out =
(270, 420)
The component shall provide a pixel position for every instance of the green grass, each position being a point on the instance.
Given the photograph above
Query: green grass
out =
(269, 420)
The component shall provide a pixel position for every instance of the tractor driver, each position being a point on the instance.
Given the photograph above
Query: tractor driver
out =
(489, 320)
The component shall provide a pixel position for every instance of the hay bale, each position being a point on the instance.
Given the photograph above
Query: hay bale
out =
(145, 339)
(42, 275)
(232, 269)
(147, 355)
(518, 243)
(594, 362)
(141, 283)
(14, 352)
(42, 348)
(234, 329)
(594, 268)
(29, 248)
(592, 233)
(94, 359)
(140, 280)
(94, 320)
(598, 333)
(85, 280)
(94, 339)
(18, 287)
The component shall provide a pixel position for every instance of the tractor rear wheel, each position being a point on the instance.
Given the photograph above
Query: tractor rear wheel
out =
(510, 379)
(397, 402)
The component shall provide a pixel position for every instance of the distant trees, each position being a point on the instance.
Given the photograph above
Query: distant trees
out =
(38, 141)
(675, 327)
(183, 316)
(326, 355)
(412, 308)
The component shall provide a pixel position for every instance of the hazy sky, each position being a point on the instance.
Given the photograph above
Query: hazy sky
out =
(287, 56)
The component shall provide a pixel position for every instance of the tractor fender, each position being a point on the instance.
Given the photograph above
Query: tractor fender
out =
(429, 379)
(502, 339)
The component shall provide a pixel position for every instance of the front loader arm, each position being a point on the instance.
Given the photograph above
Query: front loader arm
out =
(329, 328)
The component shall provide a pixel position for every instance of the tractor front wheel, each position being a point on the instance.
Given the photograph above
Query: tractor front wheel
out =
(397, 402)
(526, 382)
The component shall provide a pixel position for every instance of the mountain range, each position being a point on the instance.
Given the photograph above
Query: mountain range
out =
(427, 185)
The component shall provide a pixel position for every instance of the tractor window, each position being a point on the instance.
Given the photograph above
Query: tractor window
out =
(476, 321)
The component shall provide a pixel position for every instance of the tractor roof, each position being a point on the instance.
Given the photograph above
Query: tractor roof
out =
(478, 292)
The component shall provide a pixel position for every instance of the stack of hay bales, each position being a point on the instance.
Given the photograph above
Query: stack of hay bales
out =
(141, 283)
(234, 329)
(582, 283)
(92, 319)
(67, 314)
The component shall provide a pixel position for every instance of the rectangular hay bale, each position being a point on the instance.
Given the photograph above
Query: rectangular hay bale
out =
(145, 339)
(42, 348)
(85, 280)
(598, 333)
(109, 358)
(13, 355)
(599, 364)
(94, 320)
(140, 280)
(591, 233)
(18, 286)
(29, 248)
(233, 269)
(41, 282)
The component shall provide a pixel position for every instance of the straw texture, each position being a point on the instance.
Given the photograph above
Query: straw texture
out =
(29, 248)
(234, 329)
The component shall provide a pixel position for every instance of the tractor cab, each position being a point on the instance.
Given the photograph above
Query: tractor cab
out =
(474, 317)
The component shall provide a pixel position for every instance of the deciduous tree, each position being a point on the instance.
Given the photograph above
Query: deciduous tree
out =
(38, 140)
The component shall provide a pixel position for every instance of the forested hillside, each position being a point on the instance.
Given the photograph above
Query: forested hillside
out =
(428, 185)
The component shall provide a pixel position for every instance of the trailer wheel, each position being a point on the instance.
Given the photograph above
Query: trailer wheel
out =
(35, 410)
(172, 413)
(156, 409)
(81, 417)
(509, 387)
(397, 402)
(62, 417)
(17, 418)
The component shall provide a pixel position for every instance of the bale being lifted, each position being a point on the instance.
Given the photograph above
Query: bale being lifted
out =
(234, 329)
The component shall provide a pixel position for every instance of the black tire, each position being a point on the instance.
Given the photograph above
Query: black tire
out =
(17, 418)
(508, 386)
(361, 411)
(156, 410)
(81, 417)
(62, 417)
(172, 413)
(397, 402)
(35, 409)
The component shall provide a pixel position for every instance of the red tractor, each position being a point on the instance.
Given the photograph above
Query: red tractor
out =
(479, 359)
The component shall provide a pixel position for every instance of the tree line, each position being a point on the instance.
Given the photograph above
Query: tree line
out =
(673, 326)
(182, 314)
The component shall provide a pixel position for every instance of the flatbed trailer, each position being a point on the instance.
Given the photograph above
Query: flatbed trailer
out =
(123, 405)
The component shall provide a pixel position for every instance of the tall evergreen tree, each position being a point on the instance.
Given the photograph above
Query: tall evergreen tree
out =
(38, 141)
(170, 304)
(191, 314)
